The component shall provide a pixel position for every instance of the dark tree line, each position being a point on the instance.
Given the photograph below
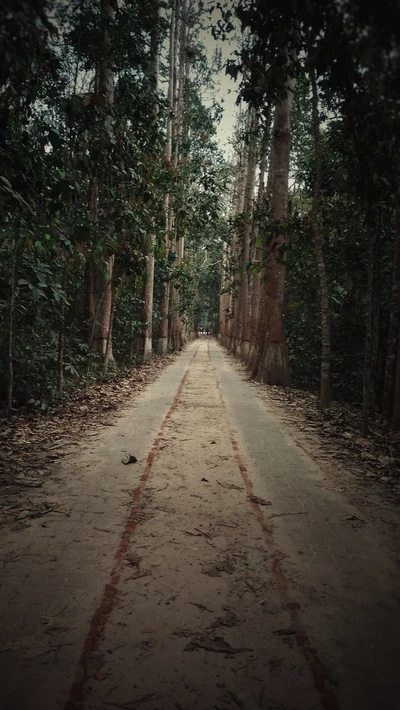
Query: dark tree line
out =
(318, 270)
(109, 183)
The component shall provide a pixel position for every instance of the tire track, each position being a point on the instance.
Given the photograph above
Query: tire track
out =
(76, 700)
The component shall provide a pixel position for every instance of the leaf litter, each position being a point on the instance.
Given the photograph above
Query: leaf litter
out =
(32, 442)
(333, 435)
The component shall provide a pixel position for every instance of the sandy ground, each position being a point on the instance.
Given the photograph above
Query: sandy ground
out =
(224, 569)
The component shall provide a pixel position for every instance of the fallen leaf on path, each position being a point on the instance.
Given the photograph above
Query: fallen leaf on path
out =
(28, 482)
(32, 647)
(216, 644)
(210, 571)
(230, 486)
(137, 576)
(227, 700)
(133, 559)
(259, 501)
(252, 564)
(230, 619)
(93, 662)
(129, 458)
(275, 665)
(201, 607)
(227, 566)
(356, 522)
(130, 703)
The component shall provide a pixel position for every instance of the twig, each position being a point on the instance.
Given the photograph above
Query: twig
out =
(52, 510)
(250, 586)
(279, 515)
(204, 533)
(138, 576)
(201, 606)
(130, 703)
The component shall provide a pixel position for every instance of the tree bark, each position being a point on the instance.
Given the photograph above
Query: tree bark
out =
(272, 360)
(11, 325)
(325, 384)
(244, 306)
(367, 377)
(162, 345)
(393, 334)
(396, 397)
(176, 339)
(107, 354)
(143, 340)
(237, 256)
(258, 252)
(61, 336)
(101, 276)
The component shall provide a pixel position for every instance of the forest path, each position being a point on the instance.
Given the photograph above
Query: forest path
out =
(223, 570)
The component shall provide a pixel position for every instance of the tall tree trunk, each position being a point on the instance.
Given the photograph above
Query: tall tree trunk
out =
(368, 351)
(162, 345)
(325, 390)
(11, 324)
(244, 313)
(176, 322)
(109, 336)
(143, 340)
(396, 396)
(237, 255)
(224, 297)
(172, 217)
(394, 331)
(61, 335)
(258, 251)
(102, 315)
(102, 274)
(272, 361)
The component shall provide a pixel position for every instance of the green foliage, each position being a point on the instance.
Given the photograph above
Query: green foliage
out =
(59, 140)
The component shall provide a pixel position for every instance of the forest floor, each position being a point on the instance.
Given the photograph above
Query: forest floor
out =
(244, 558)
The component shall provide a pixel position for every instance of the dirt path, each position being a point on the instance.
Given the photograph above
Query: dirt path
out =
(222, 570)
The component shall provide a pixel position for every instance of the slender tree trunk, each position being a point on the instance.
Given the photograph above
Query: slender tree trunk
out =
(258, 252)
(396, 397)
(162, 345)
(325, 391)
(244, 313)
(367, 379)
(172, 217)
(176, 322)
(224, 298)
(102, 317)
(393, 334)
(61, 337)
(107, 355)
(237, 243)
(143, 341)
(11, 325)
(272, 360)
(103, 273)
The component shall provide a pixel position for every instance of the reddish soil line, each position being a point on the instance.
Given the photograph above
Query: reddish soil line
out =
(319, 672)
(77, 692)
